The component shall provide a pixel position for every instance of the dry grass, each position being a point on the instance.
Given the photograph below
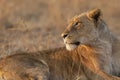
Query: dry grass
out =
(30, 25)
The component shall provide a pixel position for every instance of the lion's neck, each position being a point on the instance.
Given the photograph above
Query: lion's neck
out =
(104, 41)
(98, 48)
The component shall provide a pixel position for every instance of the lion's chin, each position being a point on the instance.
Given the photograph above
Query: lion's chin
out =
(70, 46)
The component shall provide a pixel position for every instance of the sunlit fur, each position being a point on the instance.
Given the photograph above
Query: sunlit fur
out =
(56, 64)
(93, 32)
(82, 63)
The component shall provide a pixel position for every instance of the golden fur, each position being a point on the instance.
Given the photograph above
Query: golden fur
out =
(81, 63)
(58, 64)
(90, 30)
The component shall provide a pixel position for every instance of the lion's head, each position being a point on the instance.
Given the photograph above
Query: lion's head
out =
(82, 29)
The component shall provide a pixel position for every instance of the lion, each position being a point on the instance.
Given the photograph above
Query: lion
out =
(89, 31)
(82, 60)
(55, 64)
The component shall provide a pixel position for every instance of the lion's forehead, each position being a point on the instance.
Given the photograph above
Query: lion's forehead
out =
(79, 18)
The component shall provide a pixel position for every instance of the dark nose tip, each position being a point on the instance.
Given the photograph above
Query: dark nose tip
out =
(64, 35)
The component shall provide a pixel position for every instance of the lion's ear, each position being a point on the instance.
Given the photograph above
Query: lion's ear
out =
(94, 14)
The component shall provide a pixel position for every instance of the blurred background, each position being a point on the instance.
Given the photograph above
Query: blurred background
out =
(32, 25)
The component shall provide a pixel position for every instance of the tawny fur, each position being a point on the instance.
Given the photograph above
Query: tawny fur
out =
(90, 30)
(89, 61)
(58, 64)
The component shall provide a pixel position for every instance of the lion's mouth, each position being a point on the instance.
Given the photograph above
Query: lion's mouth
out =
(75, 43)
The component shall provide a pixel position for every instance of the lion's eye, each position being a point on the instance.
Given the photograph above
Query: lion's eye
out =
(76, 23)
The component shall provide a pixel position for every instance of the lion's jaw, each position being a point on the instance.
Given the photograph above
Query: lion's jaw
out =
(71, 45)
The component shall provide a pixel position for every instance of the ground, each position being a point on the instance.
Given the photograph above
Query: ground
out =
(31, 25)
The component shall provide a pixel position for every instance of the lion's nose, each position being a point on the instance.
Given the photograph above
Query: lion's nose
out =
(64, 35)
